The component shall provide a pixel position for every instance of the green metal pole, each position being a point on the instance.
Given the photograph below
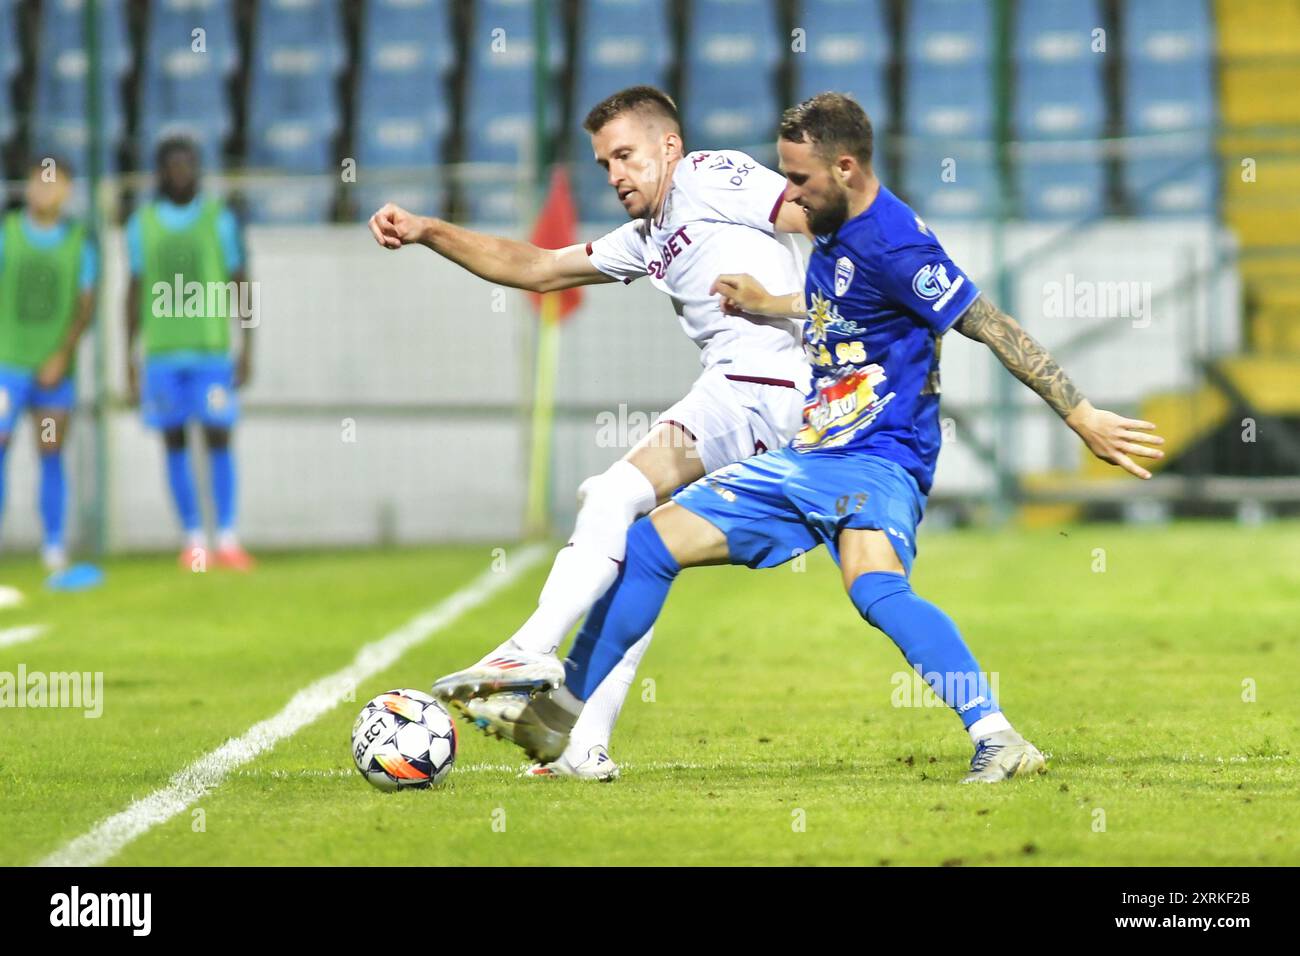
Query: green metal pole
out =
(546, 352)
(94, 121)
(1004, 397)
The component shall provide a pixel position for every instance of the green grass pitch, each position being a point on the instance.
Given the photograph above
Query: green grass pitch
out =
(1162, 688)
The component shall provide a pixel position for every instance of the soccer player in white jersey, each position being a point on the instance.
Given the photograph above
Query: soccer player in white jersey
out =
(693, 217)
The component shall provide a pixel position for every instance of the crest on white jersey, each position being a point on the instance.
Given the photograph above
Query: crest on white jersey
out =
(843, 275)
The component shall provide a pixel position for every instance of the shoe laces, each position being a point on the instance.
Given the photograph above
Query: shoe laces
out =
(984, 754)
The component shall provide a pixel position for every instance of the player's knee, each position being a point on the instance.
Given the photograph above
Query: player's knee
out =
(174, 438)
(872, 587)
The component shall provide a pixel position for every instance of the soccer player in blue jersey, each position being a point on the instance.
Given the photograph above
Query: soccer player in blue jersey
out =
(880, 292)
(179, 243)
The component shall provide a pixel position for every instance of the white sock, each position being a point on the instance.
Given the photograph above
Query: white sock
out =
(196, 539)
(226, 538)
(596, 723)
(583, 571)
(989, 724)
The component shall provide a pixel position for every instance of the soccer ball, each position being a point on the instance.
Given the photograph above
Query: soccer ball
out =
(404, 739)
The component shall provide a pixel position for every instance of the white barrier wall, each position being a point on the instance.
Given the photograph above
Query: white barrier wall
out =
(390, 394)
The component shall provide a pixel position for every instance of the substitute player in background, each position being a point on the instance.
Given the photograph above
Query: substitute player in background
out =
(48, 269)
(692, 216)
(179, 239)
(881, 291)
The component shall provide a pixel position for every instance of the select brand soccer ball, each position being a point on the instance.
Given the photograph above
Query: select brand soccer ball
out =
(404, 739)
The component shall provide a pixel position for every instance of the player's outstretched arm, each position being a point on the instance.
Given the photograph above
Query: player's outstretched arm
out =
(1112, 438)
(520, 265)
(744, 295)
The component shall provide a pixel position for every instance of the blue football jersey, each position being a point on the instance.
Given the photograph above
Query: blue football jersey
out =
(881, 292)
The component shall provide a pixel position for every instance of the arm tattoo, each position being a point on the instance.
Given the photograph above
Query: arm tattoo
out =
(1021, 353)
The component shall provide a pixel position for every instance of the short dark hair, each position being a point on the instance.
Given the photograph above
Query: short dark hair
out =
(646, 100)
(833, 123)
(174, 144)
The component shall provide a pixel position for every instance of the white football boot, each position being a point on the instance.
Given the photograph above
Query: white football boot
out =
(538, 725)
(508, 669)
(597, 765)
(1001, 756)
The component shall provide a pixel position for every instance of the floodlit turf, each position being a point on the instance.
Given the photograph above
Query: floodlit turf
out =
(768, 734)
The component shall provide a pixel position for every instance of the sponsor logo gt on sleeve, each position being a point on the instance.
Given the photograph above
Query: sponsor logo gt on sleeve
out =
(931, 282)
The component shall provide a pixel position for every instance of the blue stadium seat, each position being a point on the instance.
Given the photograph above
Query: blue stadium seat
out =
(183, 90)
(498, 121)
(847, 51)
(293, 25)
(408, 38)
(631, 37)
(972, 192)
(290, 200)
(1059, 101)
(1185, 184)
(952, 101)
(731, 109)
(172, 23)
(403, 110)
(427, 197)
(948, 32)
(1055, 189)
(1056, 31)
(294, 111)
(1166, 31)
(1160, 97)
(736, 35)
(59, 121)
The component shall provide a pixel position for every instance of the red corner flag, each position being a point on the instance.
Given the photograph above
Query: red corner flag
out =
(557, 227)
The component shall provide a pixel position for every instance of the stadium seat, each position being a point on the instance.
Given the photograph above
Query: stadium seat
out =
(1059, 101)
(948, 32)
(970, 192)
(630, 37)
(954, 102)
(1056, 31)
(1051, 188)
(402, 104)
(294, 112)
(172, 23)
(59, 114)
(408, 37)
(183, 90)
(1166, 31)
(730, 74)
(847, 51)
(1185, 184)
(1165, 97)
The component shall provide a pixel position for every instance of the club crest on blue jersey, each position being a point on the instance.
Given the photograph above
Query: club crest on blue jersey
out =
(843, 275)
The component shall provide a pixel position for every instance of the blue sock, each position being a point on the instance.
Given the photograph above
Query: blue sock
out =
(183, 493)
(928, 639)
(624, 613)
(223, 487)
(53, 496)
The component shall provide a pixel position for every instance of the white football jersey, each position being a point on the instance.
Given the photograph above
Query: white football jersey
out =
(717, 218)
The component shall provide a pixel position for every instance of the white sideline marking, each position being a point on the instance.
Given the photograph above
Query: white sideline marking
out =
(108, 837)
(17, 635)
